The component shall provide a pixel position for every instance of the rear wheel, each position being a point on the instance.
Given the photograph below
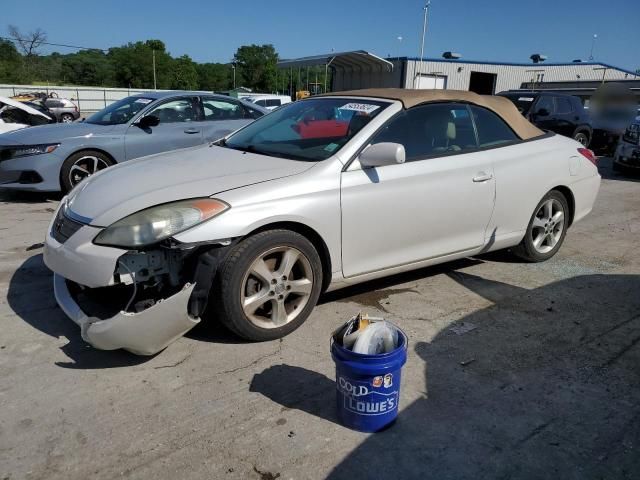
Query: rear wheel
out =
(582, 137)
(268, 285)
(81, 165)
(546, 230)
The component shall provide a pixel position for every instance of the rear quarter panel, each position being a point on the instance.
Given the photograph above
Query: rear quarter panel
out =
(525, 172)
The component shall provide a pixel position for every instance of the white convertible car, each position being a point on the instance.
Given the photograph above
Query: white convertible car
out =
(320, 194)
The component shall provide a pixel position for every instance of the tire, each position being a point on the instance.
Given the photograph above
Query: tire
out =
(237, 283)
(81, 165)
(66, 118)
(582, 137)
(553, 232)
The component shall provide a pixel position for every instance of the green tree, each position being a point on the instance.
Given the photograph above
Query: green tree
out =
(256, 67)
(214, 76)
(184, 74)
(88, 67)
(11, 66)
(133, 65)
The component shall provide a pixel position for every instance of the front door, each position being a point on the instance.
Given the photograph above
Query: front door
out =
(437, 203)
(178, 128)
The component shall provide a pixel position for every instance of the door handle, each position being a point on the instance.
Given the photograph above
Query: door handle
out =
(191, 131)
(482, 177)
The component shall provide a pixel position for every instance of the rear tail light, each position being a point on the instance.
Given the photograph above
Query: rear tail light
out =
(589, 155)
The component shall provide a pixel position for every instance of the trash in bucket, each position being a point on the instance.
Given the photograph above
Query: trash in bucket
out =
(369, 354)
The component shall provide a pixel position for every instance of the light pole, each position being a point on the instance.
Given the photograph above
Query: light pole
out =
(399, 45)
(153, 56)
(593, 44)
(424, 32)
(233, 66)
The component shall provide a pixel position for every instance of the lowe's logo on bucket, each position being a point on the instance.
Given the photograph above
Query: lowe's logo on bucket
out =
(379, 406)
(357, 398)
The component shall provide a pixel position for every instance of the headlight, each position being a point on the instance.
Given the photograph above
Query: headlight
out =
(27, 150)
(157, 223)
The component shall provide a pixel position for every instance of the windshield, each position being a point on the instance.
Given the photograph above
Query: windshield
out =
(119, 112)
(522, 102)
(309, 130)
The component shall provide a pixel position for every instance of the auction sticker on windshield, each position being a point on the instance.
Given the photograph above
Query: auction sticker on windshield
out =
(360, 107)
(526, 99)
(143, 100)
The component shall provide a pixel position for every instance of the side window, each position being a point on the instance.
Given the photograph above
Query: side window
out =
(176, 111)
(563, 106)
(262, 103)
(431, 130)
(492, 130)
(275, 102)
(544, 103)
(216, 109)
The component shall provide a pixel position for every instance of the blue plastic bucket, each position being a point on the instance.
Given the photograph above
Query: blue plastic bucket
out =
(368, 386)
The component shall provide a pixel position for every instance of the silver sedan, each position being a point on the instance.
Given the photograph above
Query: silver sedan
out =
(57, 157)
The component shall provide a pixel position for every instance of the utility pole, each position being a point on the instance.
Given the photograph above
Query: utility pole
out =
(233, 66)
(424, 32)
(153, 54)
(593, 44)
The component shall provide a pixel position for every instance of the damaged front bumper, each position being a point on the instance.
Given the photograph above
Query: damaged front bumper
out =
(140, 301)
(143, 333)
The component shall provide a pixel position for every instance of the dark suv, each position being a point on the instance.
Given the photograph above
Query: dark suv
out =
(563, 114)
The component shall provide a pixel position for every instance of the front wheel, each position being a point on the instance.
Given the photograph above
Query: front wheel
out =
(82, 165)
(66, 118)
(546, 230)
(268, 285)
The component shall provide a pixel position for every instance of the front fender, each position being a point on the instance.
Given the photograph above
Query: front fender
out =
(312, 200)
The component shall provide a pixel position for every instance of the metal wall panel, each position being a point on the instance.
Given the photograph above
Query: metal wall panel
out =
(508, 76)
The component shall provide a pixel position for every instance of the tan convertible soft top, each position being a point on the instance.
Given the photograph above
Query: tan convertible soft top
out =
(410, 98)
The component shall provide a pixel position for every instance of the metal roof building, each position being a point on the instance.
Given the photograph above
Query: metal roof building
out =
(361, 69)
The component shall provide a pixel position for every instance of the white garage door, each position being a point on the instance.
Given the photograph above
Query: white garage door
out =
(431, 82)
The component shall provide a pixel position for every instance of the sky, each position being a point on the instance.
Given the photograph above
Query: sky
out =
(211, 31)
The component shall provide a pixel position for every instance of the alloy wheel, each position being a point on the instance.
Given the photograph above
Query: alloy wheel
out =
(548, 225)
(85, 167)
(276, 287)
(582, 139)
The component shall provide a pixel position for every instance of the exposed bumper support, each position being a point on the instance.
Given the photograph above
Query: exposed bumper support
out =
(144, 333)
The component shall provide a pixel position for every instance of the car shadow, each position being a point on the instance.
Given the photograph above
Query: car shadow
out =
(542, 384)
(31, 297)
(17, 196)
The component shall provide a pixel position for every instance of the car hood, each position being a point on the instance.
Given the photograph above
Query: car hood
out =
(52, 133)
(21, 106)
(200, 171)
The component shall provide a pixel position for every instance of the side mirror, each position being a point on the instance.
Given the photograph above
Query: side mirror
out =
(148, 121)
(543, 112)
(381, 154)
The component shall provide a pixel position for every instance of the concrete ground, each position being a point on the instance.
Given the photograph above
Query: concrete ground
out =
(515, 371)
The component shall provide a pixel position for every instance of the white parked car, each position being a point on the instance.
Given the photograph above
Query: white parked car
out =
(324, 193)
(15, 115)
(270, 102)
